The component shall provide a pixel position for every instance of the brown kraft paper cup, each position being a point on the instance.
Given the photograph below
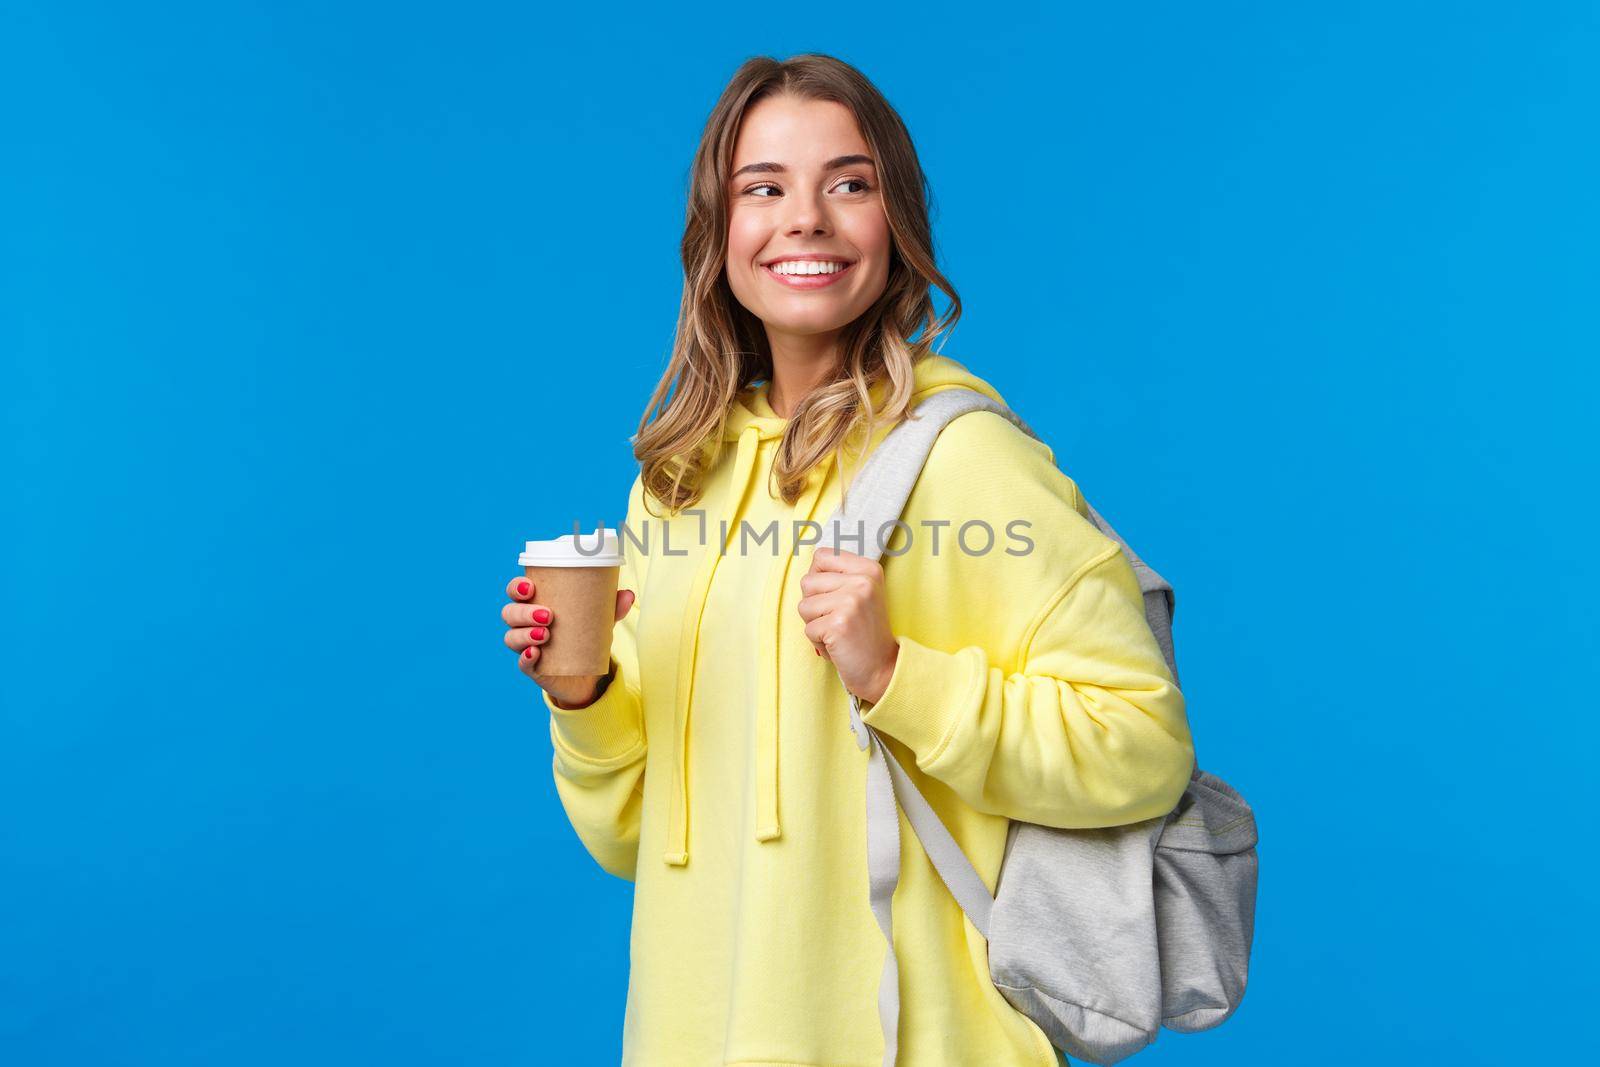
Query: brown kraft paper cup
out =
(583, 607)
(581, 593)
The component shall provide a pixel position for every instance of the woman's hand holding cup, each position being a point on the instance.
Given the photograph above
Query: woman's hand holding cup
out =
(529, 626)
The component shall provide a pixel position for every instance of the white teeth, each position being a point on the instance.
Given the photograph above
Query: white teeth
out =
(806, 266)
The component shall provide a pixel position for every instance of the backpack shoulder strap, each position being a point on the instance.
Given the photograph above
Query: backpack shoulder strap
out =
(876, 499)
(1160, 602)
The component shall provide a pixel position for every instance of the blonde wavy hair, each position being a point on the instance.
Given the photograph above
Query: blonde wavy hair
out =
(720, 347)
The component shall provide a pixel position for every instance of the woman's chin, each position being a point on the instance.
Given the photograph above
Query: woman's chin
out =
(813, 311)
(805, 321)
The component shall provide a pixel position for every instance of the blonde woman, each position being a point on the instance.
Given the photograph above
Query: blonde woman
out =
(714, 765)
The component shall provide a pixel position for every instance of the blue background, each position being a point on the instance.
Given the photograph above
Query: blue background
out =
(303, 310)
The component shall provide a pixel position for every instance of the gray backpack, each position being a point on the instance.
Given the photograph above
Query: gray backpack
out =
(1100, 936)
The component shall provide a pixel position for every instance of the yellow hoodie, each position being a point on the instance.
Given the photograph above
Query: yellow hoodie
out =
(719, 772)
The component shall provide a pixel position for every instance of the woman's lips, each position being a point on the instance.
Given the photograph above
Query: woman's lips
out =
(808, 281)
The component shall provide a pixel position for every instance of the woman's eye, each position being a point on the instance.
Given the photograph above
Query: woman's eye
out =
(756, 190)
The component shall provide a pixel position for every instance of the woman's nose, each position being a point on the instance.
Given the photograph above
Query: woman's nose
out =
(809, 216)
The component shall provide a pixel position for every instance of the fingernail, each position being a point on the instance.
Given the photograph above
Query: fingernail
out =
(527, 653)
(541, 615)
(538, 633)
(522, 588)
(817, 650)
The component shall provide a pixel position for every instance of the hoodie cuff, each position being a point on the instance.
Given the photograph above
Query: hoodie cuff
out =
(610, 727)
(923, 701)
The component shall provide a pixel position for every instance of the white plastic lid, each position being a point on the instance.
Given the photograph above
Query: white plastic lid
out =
(603, 548)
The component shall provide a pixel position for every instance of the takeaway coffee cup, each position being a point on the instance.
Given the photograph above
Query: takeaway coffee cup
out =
(575, 576)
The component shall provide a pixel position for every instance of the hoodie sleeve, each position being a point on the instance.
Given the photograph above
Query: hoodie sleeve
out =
(1089, 728)
(600, 749)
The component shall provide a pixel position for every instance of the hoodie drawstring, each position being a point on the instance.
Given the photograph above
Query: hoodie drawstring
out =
(677, 852)
(745, 467)
(768, 826)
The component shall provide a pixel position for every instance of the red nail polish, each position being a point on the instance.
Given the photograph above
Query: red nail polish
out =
(538, 633)
(541, 615)
(817, 650)
(527, 653)
(522, 588)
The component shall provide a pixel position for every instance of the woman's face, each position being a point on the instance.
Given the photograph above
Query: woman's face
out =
(804, 188)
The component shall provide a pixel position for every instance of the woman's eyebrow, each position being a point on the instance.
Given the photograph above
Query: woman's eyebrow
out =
(779, 168)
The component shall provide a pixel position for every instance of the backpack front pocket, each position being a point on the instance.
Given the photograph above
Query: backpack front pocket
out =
(1072, 939)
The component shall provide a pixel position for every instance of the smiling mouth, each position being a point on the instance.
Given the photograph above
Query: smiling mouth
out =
(807, 274)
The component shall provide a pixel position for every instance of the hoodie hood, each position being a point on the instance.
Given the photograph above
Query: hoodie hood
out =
(750, 422)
